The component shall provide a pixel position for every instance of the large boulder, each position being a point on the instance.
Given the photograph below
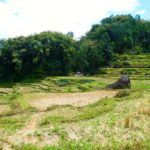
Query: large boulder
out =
(122, 83)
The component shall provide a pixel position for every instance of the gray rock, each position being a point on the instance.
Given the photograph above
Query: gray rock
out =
(122, 83)
(147, 75)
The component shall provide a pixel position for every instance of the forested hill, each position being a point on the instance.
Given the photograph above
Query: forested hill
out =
(51, 53)
(124, 34)
(113, 35)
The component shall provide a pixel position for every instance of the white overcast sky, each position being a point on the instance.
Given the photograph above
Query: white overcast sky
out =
(24, 17)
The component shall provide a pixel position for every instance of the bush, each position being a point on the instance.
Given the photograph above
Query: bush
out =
(83, 87)
(135, 50)
(101, 71)
(122, 94)
(117, 64)
(126, 64)
(124, 58)
(126, 71)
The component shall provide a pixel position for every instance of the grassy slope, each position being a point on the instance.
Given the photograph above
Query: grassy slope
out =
(122, 122)
(16, 96)
(117, 123)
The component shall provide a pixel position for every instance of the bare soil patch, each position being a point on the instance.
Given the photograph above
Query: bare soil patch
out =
(75, 99)
(4, 109)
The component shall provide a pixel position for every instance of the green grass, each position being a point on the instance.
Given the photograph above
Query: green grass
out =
(56, 84)
(59, 114)
(26, 147)
(139, 73)
(12, 124)
(133, 61)
(69, 84)
(20, 93)
(83, 145)
(121, 122)
(141, 84)
(133, 65)
(17, 102)
(85, 113)
(117, 123)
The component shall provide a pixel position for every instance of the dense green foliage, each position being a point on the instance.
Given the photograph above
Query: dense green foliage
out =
(123, 33)
(114, 35)
(51, 53)
(47, 53)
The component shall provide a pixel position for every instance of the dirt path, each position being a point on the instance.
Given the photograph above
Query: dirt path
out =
(75, 99)
(30, 135)
(26, 135)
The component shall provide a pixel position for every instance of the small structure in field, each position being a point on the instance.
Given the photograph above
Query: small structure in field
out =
(79, 74)
(122, 83)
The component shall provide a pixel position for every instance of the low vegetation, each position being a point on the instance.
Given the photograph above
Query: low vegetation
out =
(121, 122)
(79, 114)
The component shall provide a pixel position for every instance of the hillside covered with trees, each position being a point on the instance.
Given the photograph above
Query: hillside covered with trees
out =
(52, 53)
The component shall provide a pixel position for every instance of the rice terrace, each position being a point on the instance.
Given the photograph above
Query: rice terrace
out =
(80, 114)
(62, 93)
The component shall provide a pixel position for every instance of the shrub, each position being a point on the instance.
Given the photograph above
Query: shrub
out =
(101, 71)
(117, 64)
(124, 58)
(122, 94)
(126, 64)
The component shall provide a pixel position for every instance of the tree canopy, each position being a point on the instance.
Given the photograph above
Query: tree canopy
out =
(47, 53)
(53, 53)
(125, 33)
(113, 35)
